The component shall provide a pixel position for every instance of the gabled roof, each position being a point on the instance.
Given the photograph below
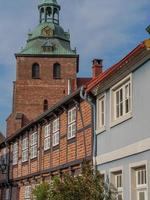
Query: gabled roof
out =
(113, 69)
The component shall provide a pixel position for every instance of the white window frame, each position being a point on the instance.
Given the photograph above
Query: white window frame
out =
(7, 194)
(113, 174)
(72, 115)
(136, 189)
(33, 145)
(137, 173)
(144, 191)
(101, 126)
(27, 192)
(25, 149)
(15, 153)
(47, 134)
(56, 128)
(141, 187)
(114, 119)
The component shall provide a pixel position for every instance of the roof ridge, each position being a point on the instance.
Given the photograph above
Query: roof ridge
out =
(99, 78)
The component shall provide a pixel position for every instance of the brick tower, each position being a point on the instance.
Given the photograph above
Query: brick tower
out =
(45, 68)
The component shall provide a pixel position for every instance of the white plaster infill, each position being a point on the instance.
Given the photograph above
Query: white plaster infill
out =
(129, 150)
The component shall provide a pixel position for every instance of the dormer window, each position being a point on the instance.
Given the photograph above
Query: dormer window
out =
(35, 71)
(56, 71)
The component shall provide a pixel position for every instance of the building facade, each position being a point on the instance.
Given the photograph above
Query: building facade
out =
(47, 64)
(122, 139)
(56, 142)
(49, 131)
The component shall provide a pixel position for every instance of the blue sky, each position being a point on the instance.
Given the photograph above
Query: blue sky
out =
(106, 29)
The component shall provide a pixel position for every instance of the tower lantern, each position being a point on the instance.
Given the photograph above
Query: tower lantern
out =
(49, 11)
(44, 66)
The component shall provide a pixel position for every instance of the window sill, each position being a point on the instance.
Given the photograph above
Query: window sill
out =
(25, 162)
(56, 147)
(15, 165)
(141, 187)
(71, 140)
(121, 120)
(33, 159)
(47, 150)
(100, 130)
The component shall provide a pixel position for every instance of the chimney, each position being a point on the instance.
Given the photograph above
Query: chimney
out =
(97, 67)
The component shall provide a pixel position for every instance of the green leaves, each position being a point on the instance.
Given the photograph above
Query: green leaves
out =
(89, 185)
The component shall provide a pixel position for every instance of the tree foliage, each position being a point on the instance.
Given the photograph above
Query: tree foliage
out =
(89, 185)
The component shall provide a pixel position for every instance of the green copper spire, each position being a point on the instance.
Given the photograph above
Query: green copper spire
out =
(48, 2)
(48, 37)
(49, 11)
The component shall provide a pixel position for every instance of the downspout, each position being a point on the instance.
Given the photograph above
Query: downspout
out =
(84, 96)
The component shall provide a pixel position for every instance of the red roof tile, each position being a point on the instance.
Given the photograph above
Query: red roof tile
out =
(93, 83)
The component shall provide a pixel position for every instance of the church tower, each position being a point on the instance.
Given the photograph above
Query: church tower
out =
(45, 68)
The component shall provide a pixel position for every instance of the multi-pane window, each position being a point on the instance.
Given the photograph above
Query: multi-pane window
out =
(25, 149)
(141, 177)
(141, 183)
(27, 194)
(101, 112)
(117, 181)
(119, 185)
(33, 145)
(56, 132)
(121, 99)
(47, 131)
(71, 123)
(15, 153)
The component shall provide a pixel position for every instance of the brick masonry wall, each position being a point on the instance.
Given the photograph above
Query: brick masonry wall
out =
(29, 94)
(66, 152)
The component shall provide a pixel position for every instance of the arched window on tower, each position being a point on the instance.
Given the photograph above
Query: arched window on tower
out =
(45, 105)
(56, 16)
(42, 15)
(35, 71)
(56, 71)
(48, 14)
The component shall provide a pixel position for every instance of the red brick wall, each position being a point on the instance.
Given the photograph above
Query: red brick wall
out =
(66, 152)
(29, 94)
